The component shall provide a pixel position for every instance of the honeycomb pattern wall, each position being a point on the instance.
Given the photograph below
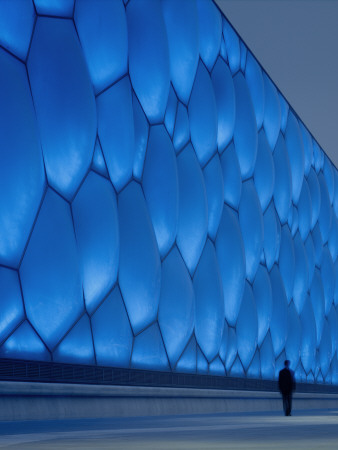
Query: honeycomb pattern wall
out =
(162, 206)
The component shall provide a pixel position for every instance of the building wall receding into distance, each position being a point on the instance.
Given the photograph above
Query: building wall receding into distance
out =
(162, 207)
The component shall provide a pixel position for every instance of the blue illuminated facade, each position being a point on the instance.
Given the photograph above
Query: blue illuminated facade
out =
(162, 206)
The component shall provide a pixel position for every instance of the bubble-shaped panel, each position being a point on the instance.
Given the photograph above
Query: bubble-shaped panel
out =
(141, 132)
(314, 188)
(336, 285)
(113, 338)
(267, 358)
(170, 113)
(245, 132)
(279, 363)
(237, 369)
(77, 346)
(325, 349)
(264, 175)
(310, 378)
(203, 116)
(284, 108)
(16, 26)
(181, 21)
(177, 305)
(216, 367)
(213, 179)
(309, 337)
(294, 145)
(263, 298)
(308, 147)
(98, 163)
(254, 370)
(182, 128)
(148, 57)
(287, 261)
(116, 131)
(292, 346)
(272, 236)
(24, 343)
(97, 235)
(246, 327)
(318, 245)
(140, 267)
(333, 322)
(59, 8)
(301, 280)
(49, 272)
(293, 220)
(318, 303)
(102, 29)
(232, 349)
(279, 319)
(21, 166)
(225, 101)
(193, 208)
(232, 46)
(328, 278)
(325, 213)
(283, 182)
(317, 152)
(299, 374)
(231, 259)
(333, 238)
(202, 363)
(210, 28)
(67, 116)
(335, 200)
(188, 360)
(243, 50)
(311, 257)
(223, 50)
(232, 180)
(304, 210)
(149, 351)
(254, 79)
(160, 185)
(224, 342)
(12, 312)
(209, 310)
(272, 112)
(251, 223)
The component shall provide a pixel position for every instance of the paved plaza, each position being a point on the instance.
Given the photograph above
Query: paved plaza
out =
(304, 430)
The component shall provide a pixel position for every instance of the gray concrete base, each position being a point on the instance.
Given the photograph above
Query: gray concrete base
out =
(44, 401)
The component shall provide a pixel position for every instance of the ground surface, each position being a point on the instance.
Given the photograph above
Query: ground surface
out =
(304, 430)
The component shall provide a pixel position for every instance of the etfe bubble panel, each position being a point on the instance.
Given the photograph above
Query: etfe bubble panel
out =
(162, 206)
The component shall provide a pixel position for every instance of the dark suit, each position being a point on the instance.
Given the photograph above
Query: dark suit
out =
(286, 384)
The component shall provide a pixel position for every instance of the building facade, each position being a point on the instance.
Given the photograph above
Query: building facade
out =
(162, 205)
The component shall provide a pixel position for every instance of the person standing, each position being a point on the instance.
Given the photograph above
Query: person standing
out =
(286, 384)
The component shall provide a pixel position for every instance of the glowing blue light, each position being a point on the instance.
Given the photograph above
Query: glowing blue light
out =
(177, 305)
(64, 103)
(181, 22)
(113, 338)
(148, 57)
(139, 258)
(209, 311)
(162, 206)
(116, 131)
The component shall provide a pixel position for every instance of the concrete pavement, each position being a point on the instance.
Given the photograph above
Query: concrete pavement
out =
(304, 430)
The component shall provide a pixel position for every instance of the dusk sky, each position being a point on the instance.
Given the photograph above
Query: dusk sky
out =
(296, 42)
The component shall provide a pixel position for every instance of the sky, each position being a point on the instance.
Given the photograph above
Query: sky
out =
(296, 42)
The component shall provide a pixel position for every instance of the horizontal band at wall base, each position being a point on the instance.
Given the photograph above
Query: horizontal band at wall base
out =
(45, 401)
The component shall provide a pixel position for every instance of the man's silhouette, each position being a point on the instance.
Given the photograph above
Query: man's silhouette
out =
(286, 384)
